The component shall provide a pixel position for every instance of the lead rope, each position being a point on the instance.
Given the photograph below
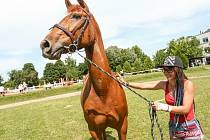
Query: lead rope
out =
(152, 113)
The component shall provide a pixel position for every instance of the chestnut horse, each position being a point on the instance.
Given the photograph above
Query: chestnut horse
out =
(103, 100)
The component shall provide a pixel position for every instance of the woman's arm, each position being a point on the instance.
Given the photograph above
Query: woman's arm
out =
(148, 85)
(189, 94)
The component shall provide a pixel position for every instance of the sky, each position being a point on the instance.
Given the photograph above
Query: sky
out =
(150, 24)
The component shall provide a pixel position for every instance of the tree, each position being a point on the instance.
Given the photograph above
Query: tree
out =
(9, 84)
(148, 64)
(30, 75)
(126, 67)
(83, 69)
(72, 73)
(71, 69)
(159, 57)
(134, 56)
(41, 81)
(144, 62)
(128, 55)
(185, 48)
(1, 80)
(137, 50)
(70, 62)
(114, 56)
(207, 49)
(118, 56)
(49, 74)
(118, 68)
(193, 49)
(137, 65)
(15, 78)
(60, 69)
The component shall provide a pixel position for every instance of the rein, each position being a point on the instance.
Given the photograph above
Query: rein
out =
(74, 48)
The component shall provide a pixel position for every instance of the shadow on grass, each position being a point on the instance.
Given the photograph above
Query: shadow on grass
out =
(108, 135)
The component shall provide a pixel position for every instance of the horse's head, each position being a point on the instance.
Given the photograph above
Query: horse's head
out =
(72, 32)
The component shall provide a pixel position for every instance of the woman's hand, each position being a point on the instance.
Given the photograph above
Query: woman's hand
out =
(120, 78)
(162, 107)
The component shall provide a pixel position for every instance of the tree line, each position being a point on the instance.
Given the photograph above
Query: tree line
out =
(128, 60)
(184, 47)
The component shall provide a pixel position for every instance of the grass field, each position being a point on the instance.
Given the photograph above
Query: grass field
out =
(62, 119)
(38, 94)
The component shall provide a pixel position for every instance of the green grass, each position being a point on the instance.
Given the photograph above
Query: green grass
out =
(63, 119)
(38, 94)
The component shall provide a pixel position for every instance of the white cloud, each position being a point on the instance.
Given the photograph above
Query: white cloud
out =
(117, 14)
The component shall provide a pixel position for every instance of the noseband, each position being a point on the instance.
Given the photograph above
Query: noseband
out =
(74, 46)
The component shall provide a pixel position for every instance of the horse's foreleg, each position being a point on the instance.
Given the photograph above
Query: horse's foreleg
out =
(122, 131)
(104, 135)
(96, 134)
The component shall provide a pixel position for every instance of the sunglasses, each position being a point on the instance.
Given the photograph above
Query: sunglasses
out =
(168, 69)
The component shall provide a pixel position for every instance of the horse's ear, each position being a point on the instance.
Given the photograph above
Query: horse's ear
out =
(68, 4)
(83, 4)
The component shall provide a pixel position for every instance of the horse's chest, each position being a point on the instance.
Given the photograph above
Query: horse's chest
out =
(99, 112)
(99, 117)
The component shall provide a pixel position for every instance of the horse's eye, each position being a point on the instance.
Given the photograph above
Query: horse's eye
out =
(76, 16)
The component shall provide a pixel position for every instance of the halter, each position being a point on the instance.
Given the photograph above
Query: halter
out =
(74, 46)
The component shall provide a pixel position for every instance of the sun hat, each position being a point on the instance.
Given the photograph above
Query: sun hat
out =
(172, 61)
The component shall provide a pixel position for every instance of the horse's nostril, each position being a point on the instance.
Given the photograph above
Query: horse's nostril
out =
(45, 44)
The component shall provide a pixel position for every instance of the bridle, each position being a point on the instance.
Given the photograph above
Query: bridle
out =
(74, 46)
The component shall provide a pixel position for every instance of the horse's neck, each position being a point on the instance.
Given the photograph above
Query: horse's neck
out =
(97, 55)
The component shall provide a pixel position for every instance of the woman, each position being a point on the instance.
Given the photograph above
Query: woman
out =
(179, 96)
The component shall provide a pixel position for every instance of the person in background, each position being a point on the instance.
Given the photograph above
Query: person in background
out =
(20, 88)
(2, 91)
(179, 96)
